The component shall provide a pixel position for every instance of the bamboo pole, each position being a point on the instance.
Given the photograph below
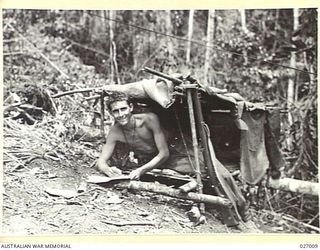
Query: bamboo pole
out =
(172, 192)
(195, 144)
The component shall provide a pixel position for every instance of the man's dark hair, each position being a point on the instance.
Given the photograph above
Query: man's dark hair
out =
(116, 96)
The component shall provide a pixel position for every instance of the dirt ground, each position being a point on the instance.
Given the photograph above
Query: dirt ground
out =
(32, 206)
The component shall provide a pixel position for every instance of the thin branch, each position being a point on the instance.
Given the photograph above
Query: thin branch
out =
(312, 219)
(88, 48)
(268, 199)
(129, 223)
(301, 223)
(41, 54)
(73, 92)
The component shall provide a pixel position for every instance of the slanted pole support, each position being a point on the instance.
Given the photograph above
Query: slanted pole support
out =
(227, 213)
(195, 145)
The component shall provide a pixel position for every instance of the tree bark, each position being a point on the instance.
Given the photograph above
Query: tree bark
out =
(209, 44)
(190, 31)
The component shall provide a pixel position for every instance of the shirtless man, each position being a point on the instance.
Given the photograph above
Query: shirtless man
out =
(144, 135)
(142, 132)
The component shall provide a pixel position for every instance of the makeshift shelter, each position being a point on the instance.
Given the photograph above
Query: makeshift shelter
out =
(244, 134)
(219, 133)
(215, 131)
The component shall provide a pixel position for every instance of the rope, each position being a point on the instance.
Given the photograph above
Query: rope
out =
(200, 44)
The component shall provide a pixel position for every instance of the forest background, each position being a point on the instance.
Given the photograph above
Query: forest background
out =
(265, 55)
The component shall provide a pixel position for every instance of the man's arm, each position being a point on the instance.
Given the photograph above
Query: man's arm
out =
(152, 123)
(106, 154)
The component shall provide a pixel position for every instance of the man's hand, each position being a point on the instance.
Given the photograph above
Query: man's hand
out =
(110, 171)
(136, 174)
(115, 171)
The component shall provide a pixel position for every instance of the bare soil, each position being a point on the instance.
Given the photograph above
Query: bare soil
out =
(29, 209)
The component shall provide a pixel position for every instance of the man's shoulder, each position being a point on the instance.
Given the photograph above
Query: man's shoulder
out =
(148, 120)
(147, 117)
(114, 130)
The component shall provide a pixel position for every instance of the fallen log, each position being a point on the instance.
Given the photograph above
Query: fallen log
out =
(172, 192)
(296, 186)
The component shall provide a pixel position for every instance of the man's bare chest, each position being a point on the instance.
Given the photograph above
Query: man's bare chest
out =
(137, 133)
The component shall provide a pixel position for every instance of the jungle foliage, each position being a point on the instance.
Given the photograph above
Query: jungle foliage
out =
(96, 47)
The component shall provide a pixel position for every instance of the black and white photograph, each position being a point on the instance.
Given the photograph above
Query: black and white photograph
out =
(157, 122)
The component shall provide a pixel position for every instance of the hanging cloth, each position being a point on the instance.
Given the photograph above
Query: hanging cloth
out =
(254, 160)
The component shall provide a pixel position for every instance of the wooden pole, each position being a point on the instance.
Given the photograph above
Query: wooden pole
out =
(172, 192)
(208, 163)
(227, 214)
(195, 144)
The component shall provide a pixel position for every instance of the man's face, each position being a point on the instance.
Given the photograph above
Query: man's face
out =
(121, 111)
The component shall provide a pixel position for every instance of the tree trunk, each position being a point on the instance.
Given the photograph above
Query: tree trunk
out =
(291, 87)
(209, 44)
(103, 21)
(111, 35)
(169, 44)
(136, 52)
(83, 19)
(245, 30)
(190, 31)
(113, 49)
(97, 23)
(243, 20)
(169, 31)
